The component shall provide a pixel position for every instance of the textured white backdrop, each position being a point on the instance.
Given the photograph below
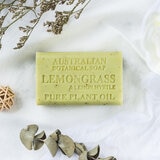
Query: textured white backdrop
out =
(130, 131)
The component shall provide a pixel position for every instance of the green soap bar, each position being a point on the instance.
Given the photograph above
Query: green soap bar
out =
(79, 78)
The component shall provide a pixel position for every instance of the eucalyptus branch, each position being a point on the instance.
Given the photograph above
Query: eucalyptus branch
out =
(18, 9)
(31, 140)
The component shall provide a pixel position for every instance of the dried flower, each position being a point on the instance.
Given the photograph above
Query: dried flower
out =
(57, 141)
(17, 9)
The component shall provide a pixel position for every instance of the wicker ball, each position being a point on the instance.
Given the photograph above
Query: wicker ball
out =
(6, 98)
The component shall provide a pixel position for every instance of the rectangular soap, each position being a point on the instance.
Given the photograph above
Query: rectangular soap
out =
(79, 78)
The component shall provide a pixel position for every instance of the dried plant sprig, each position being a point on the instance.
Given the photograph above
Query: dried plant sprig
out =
(18, 9)
(56, 141)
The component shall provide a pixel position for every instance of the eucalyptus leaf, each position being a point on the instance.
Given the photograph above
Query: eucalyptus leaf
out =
(58, 132)
(54, 136)
(39, 140)
(33, 128)
(79, 148)
(37, 144)
(27, 136)
(52, 145)
(66, 145)
(94, 152)
(108, 158)
(41, 136)
(83, 156)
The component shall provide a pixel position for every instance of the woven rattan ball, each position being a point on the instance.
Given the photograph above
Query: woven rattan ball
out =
(6, 98)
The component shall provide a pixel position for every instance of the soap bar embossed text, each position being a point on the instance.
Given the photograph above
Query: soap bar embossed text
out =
(79, 78)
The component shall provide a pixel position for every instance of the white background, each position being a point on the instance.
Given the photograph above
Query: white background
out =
(128, 132)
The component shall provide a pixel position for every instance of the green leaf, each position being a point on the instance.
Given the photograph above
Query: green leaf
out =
(33, 128)
(52, 145)
(79, 148)
(38, 140)
(83, 156)
(108, 158)
(37, 144)
(66, 145)
(55, 135)
(27, 135)
(94, 152)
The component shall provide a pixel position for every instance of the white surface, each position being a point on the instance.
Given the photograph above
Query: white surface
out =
(130, 131)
